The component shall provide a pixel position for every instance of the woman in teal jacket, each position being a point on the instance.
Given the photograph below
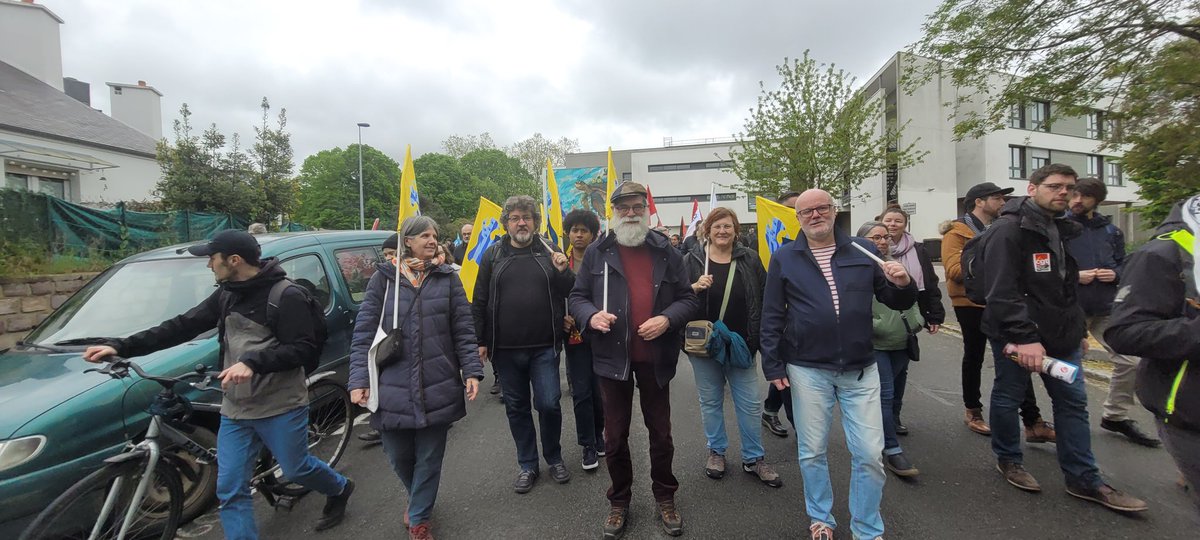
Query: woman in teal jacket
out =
(890, 331)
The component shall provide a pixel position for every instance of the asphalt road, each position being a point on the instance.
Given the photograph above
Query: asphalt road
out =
(958, 495)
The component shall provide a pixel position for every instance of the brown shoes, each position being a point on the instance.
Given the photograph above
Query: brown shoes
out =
(420, 532)
(974, 421)
(614, 525)
(1016, 475)
(764, 472)
(714, 466)
(672, 522)
(1111, 498)
(1040, 432)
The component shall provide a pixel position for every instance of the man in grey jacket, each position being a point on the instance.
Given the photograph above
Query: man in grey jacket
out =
(266, 401)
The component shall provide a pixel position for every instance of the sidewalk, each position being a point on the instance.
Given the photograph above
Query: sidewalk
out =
(1096, 365)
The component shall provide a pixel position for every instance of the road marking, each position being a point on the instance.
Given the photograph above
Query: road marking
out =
(932, 395)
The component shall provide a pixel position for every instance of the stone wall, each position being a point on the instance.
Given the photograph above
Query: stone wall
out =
(27, 301)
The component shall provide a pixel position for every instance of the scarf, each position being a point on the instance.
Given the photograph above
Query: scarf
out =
(973, 223)
(1191, 217)
(905, 252)
(416, 270)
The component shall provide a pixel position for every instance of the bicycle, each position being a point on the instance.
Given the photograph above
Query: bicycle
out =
(131, 497)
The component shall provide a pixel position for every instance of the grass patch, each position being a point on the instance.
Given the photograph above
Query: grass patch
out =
(22, 259)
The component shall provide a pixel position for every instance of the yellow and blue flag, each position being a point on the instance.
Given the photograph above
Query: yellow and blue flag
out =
(777, 225)
(486, 231)
(409, 201)
(553, 210)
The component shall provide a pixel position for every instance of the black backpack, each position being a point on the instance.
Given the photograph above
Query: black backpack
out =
(315, 310)
(974, 266)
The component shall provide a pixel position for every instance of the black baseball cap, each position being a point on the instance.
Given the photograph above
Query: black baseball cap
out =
(231, 242)
(982, 191)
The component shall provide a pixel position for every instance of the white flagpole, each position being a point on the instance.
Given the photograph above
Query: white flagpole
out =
(396, 297)
(605, 308)
(706, 258)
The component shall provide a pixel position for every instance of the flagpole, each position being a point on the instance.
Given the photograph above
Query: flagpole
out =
(706, 258)
(605, 308)
(396, 297)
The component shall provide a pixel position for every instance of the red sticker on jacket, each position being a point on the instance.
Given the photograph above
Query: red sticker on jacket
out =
(1041, 262)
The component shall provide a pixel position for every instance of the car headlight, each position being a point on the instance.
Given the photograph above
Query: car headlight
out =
(17, 451)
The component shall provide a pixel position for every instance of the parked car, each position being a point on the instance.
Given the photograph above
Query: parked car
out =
(59, 423)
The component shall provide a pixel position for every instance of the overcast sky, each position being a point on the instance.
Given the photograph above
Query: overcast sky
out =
(620, 73)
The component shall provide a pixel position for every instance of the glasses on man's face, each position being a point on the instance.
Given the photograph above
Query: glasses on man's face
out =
(824, 210)
(1070, 188)
(625, 208)
(518, 219)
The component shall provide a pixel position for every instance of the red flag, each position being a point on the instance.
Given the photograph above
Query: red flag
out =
(681, 226)
(650, 202)
(375, 226)
(697, 217)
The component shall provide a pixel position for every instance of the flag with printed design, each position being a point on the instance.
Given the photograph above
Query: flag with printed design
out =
(777, 225)
(409, 201)
(610, 185)
(650, 208)
(485, 232)
(697, 217)
(553, 215)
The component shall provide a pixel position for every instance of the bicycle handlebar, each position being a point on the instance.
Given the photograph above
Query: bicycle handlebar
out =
(118, 368)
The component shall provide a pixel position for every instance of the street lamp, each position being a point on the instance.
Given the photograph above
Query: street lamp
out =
(362, 216)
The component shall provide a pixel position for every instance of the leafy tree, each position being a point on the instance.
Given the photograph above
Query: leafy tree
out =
(328, 188)
(1078, 54)
(816, 131)
(446, 188)
(533, 152)
(499, 176)
(272, 156)
(199, 175)
(457, 146)
(1163, 127)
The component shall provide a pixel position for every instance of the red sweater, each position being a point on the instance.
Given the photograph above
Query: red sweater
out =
(639, 269)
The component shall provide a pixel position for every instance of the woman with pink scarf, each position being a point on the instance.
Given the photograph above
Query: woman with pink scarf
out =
(915, 258)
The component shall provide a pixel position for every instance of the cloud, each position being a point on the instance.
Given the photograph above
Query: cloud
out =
(619, 73)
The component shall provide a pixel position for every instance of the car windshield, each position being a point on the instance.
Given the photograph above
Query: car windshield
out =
(126, 299)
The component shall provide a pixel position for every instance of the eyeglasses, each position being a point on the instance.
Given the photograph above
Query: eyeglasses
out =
(824, 210)
(518, 219)
(877, 238)
(1070, 188)
(625, 208)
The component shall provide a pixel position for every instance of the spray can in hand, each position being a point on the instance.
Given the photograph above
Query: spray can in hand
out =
(1063, 371)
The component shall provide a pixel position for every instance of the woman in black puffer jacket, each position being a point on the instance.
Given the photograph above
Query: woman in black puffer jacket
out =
(416, 397)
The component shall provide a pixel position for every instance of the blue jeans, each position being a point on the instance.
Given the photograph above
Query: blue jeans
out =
(585, 396)
(1070, 418)
(521, 369)
(416, 456)
(814, 393)
(745, 385)
(239, 443)
(891, 365)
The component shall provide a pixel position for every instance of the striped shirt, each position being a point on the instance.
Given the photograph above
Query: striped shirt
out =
(823, 256)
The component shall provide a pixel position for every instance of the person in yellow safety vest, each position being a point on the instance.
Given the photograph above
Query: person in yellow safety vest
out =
(1156, 316)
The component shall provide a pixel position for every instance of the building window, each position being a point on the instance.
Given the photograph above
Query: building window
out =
(626, 176)
(1016, 162)
(54, 188)
(16, 181)
(1110, 129)
(1095, 125)
(1039, 111)
(700, 165)
(1038, 158)
(1112, 174)
(1016, 116)
(1095, 164)
(702, 197)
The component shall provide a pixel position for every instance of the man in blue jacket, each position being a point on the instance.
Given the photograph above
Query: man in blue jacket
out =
(1100, 252)
(817, 308)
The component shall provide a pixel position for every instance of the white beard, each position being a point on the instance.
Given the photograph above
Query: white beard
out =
(631, 232)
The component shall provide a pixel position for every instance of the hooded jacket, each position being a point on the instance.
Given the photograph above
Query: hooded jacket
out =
(1031, 284)
(552, 283)
(799, 324)
(955, 234)
(276, 355)
(1099, 245)
(425, 387)
(1157, 316)
(673, 298)
(753, 275)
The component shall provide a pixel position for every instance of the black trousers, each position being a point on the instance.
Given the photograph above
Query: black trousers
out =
(970, 320)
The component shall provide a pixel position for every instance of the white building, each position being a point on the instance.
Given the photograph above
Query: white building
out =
(58, 144)
(931, 191)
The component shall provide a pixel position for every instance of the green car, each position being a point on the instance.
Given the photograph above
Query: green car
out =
(59, 423)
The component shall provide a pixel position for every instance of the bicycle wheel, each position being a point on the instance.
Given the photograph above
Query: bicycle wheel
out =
(76, 512)
(330, 422)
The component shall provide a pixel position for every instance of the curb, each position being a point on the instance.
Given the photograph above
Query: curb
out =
(1097, 370)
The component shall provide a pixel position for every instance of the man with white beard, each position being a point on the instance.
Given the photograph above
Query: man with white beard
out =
(633, 296)
(519, 308)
